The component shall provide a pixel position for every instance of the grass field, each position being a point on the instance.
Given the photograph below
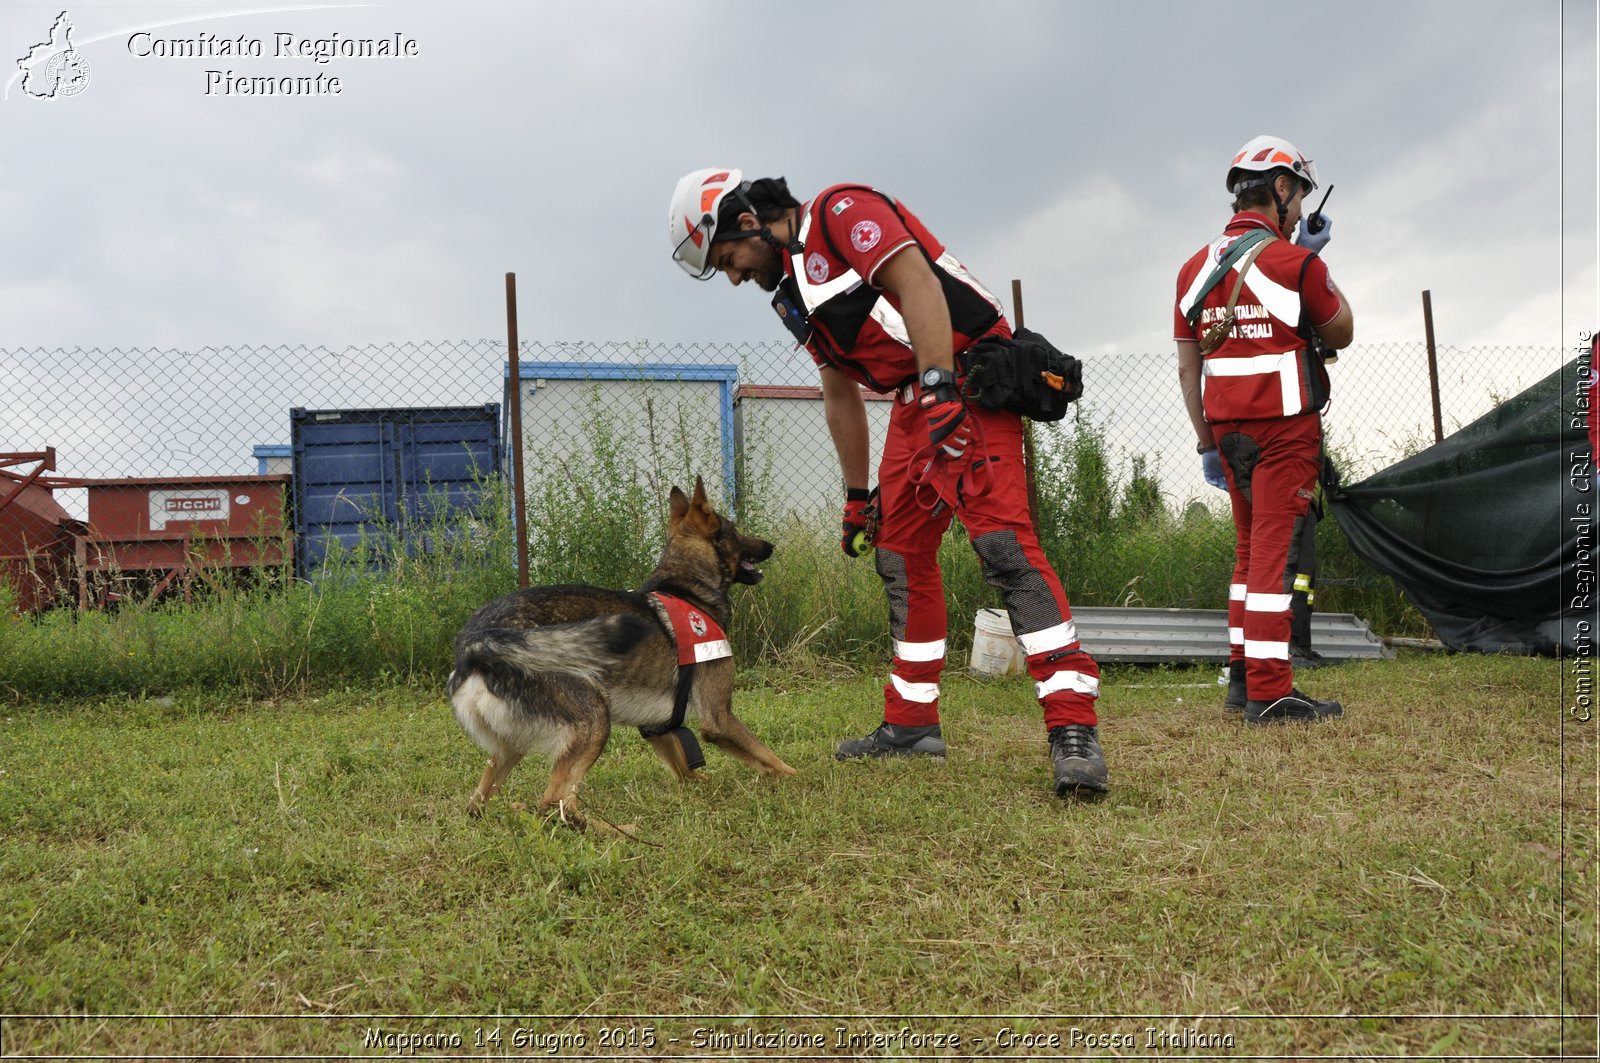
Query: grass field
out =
(1417, 878)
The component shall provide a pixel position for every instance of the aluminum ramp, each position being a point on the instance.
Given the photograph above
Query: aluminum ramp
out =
(1157, 636)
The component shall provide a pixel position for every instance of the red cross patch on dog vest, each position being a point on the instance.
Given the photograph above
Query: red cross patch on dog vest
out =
(699, 637)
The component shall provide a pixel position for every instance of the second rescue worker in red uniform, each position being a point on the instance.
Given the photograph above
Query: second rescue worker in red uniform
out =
(880, 303)
(1255, 403)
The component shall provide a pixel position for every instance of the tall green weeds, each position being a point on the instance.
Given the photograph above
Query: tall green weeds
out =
(387, 610)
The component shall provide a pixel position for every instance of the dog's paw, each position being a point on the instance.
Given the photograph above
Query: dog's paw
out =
(475, 805)
(564, 812)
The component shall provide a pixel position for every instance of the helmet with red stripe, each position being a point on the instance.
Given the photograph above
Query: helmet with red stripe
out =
(1259, 161)
(692, 217)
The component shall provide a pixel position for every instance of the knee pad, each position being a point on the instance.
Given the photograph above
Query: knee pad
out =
(1005, 567)
(897, 586)
(1241, 453)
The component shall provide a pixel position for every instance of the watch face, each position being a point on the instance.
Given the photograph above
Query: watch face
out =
(931, 377)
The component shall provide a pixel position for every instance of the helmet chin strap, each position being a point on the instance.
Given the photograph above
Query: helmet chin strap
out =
(1272, 186)
(1283, 207)
(793, 246)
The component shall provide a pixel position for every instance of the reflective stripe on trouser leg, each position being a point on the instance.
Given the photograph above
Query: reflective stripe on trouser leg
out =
(911, 697)
(907, 560)
(1236, 618)
(1067, 680)
(1281, 491)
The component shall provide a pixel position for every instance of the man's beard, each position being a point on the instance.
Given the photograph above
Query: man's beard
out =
(770, 273)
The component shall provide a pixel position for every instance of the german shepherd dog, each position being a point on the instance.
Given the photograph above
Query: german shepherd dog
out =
(554, 668)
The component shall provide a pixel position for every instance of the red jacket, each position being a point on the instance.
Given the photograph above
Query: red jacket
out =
(848, 232)
(1263, 369)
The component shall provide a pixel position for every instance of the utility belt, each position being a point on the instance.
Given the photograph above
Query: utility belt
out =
(1024, 374)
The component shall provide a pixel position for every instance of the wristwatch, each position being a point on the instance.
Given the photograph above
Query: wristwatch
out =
(935, 377)
(1203, 446)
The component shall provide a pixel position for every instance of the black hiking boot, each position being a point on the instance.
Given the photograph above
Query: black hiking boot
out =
(1303, 659)
(1293, 707)
(1236, 699)
(894, 740)
(1080, 766)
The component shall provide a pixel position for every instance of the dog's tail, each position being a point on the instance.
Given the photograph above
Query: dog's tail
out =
(586, 648)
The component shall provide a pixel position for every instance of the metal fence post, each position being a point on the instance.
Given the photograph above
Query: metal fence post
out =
(1433, 364)
(1029, 461)
(519, 500)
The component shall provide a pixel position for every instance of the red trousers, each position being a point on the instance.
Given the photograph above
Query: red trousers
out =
(988, 490)
(1271, 467)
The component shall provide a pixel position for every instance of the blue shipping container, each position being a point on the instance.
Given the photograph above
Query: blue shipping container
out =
(385, 475)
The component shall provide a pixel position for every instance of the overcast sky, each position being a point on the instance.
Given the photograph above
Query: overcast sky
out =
(1079, 145)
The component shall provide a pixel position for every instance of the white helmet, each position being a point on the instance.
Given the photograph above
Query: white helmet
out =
(692, 217)
(1257, 161)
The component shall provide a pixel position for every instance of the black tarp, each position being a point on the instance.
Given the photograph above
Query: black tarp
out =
(1491, 532)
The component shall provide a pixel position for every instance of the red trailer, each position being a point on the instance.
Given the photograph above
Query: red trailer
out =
(36, 534)
(147, 534)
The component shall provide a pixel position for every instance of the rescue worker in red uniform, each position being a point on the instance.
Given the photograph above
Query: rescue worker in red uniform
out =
(879, 303)
(1255, 401)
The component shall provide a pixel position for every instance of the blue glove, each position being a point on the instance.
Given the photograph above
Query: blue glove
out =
(1314, 241)
(1211, 462)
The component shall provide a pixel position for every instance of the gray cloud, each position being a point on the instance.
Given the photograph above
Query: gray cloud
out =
(1076, 145)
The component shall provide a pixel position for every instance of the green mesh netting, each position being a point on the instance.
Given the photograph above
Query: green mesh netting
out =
(1491, 531)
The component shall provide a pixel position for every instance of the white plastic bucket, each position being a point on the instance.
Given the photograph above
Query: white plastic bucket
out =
(995, 650)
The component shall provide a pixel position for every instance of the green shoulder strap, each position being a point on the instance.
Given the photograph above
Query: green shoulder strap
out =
(1236, 251)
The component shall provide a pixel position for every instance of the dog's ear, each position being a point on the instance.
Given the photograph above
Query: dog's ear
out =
(678, 504)
(703, 518)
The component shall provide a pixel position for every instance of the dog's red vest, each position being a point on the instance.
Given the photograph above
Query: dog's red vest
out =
(699, 637)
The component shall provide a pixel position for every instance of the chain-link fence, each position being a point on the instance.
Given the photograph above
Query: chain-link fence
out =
(746, 417)
(142, 412)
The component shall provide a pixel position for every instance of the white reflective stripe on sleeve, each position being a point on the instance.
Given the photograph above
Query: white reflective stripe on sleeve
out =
(1051, 638)
(1236, 592)
(712, 651)
(1268, 603)
(1266, 651)
(919, 651)
(922, 693)
(1236, 636)
(1074, 681)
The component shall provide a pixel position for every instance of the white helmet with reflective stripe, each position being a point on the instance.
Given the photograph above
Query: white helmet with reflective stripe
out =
(1256, 162)
(692, 217)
